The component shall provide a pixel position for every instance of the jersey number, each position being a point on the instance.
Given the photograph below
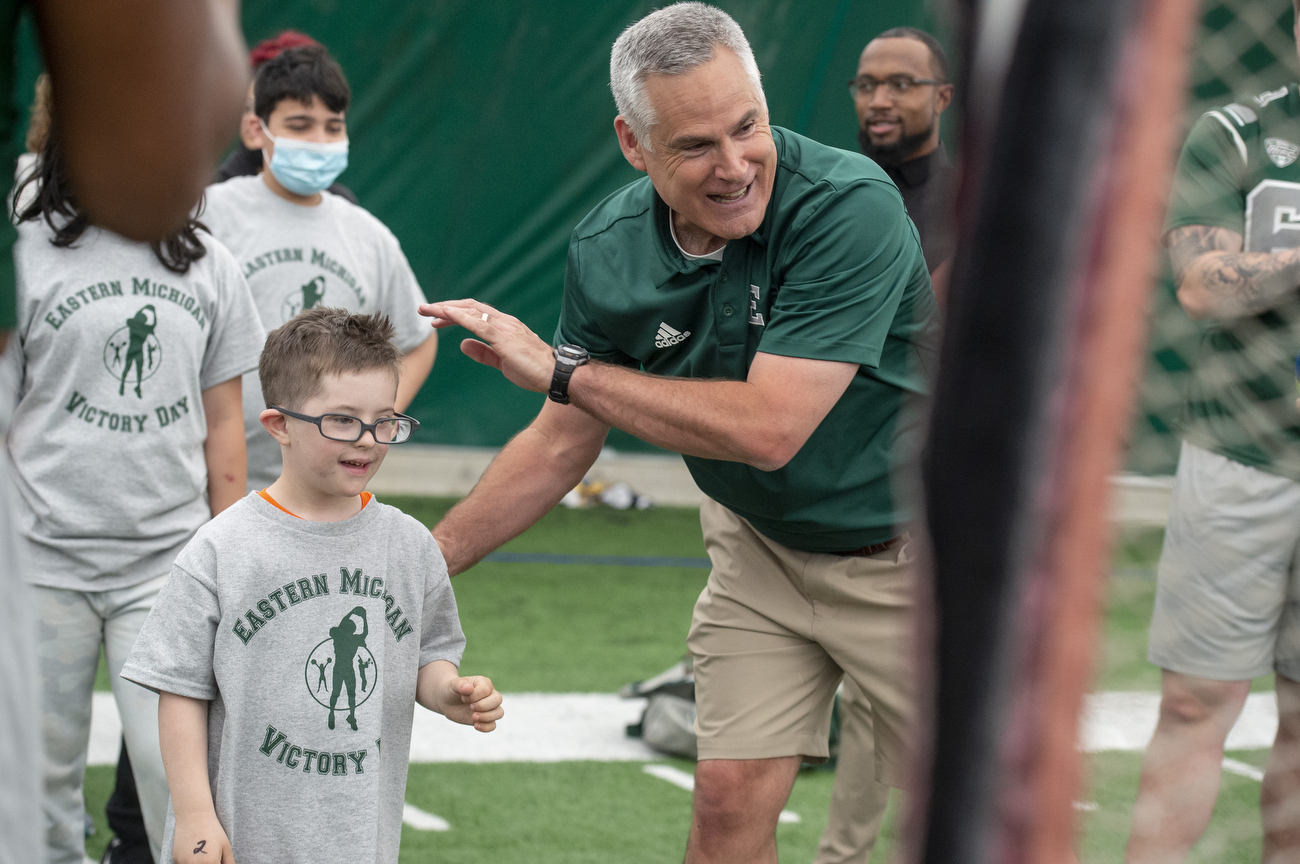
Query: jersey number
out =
(1273, 217)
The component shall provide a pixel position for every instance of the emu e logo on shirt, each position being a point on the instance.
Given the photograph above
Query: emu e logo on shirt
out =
(755, 317)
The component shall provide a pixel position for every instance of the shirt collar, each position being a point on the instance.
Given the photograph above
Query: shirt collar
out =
(670, 258)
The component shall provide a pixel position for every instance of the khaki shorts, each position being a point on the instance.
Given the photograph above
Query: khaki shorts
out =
(1227, 587)
(774, 629)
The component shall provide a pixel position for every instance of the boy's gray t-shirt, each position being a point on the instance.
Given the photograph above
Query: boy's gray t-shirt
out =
(114, 352)
(256, 616)
(294, 258)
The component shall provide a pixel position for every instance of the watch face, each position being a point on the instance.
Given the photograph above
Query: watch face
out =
(571, 352)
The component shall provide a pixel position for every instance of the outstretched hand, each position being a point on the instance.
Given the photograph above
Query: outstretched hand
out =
(473, 701)
(507, 343)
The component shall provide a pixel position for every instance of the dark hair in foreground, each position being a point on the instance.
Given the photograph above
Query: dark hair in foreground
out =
(320, 342)
(57, 205)
(938, 58)
(301, 74)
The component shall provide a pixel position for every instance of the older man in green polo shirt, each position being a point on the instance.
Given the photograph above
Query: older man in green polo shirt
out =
(759, 303)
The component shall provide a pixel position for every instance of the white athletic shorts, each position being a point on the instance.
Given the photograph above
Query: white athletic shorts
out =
(1227, 588)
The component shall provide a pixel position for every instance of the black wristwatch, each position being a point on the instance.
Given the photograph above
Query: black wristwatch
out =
(567, 358)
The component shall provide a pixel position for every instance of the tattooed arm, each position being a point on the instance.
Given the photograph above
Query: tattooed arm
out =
(1215, 279)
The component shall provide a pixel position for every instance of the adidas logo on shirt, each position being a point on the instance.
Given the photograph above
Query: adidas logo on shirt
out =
(667, 336)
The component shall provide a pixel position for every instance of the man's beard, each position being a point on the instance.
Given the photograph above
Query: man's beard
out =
(893, 155)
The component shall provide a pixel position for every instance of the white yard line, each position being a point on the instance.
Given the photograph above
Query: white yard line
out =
(1233, 766)
(678, 778)
(423, 821)
(682, 780)
(1126, 721)
(556, 727)
(538, 727)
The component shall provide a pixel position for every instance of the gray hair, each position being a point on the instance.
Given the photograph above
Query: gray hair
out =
(671, 41)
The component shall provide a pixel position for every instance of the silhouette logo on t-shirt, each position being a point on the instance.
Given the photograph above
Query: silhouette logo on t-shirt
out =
(306, 297)
(134, 348)
(338, 666)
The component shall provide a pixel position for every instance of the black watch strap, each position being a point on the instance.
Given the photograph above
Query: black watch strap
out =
(559, 391)
(567, 359)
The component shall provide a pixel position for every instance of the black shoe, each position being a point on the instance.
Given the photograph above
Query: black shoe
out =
(107, 857)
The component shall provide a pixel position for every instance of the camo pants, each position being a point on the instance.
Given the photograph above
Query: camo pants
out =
(71, 627)
(20, 740)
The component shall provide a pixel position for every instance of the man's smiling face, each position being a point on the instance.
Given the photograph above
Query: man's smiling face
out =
(898, 128)
(713, 160)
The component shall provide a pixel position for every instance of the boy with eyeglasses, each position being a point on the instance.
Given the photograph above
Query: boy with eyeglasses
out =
(298, 244)
(308, 574)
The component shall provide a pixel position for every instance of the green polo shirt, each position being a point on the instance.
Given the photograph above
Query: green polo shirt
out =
(835, 272)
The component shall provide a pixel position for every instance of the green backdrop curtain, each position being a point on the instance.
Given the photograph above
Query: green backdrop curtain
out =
(483, 132)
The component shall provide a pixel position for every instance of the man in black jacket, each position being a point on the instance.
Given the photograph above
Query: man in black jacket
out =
(899, 92)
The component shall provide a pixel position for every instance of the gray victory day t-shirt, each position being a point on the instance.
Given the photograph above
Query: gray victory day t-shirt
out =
(306, 638)
(114, 352)
(294, 258)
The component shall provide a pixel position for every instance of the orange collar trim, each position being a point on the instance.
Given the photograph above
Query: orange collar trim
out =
(365, 499)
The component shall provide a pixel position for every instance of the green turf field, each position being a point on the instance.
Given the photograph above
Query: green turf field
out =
(551, 628)
(1234, 834)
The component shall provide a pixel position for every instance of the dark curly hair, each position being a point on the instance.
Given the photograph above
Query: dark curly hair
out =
(54, 195)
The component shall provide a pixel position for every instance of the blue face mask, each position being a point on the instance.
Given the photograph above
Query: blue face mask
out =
(305, 167)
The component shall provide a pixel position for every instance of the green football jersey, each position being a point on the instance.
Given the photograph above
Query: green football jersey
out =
(1239, 170)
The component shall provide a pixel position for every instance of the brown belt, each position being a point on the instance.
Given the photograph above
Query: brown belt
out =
(873, 549)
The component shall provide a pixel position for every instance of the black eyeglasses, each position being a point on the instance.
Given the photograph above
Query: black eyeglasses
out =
(345, 427)
(895, 85)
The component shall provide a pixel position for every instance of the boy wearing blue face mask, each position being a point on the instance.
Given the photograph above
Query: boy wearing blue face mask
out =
(299, 245)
